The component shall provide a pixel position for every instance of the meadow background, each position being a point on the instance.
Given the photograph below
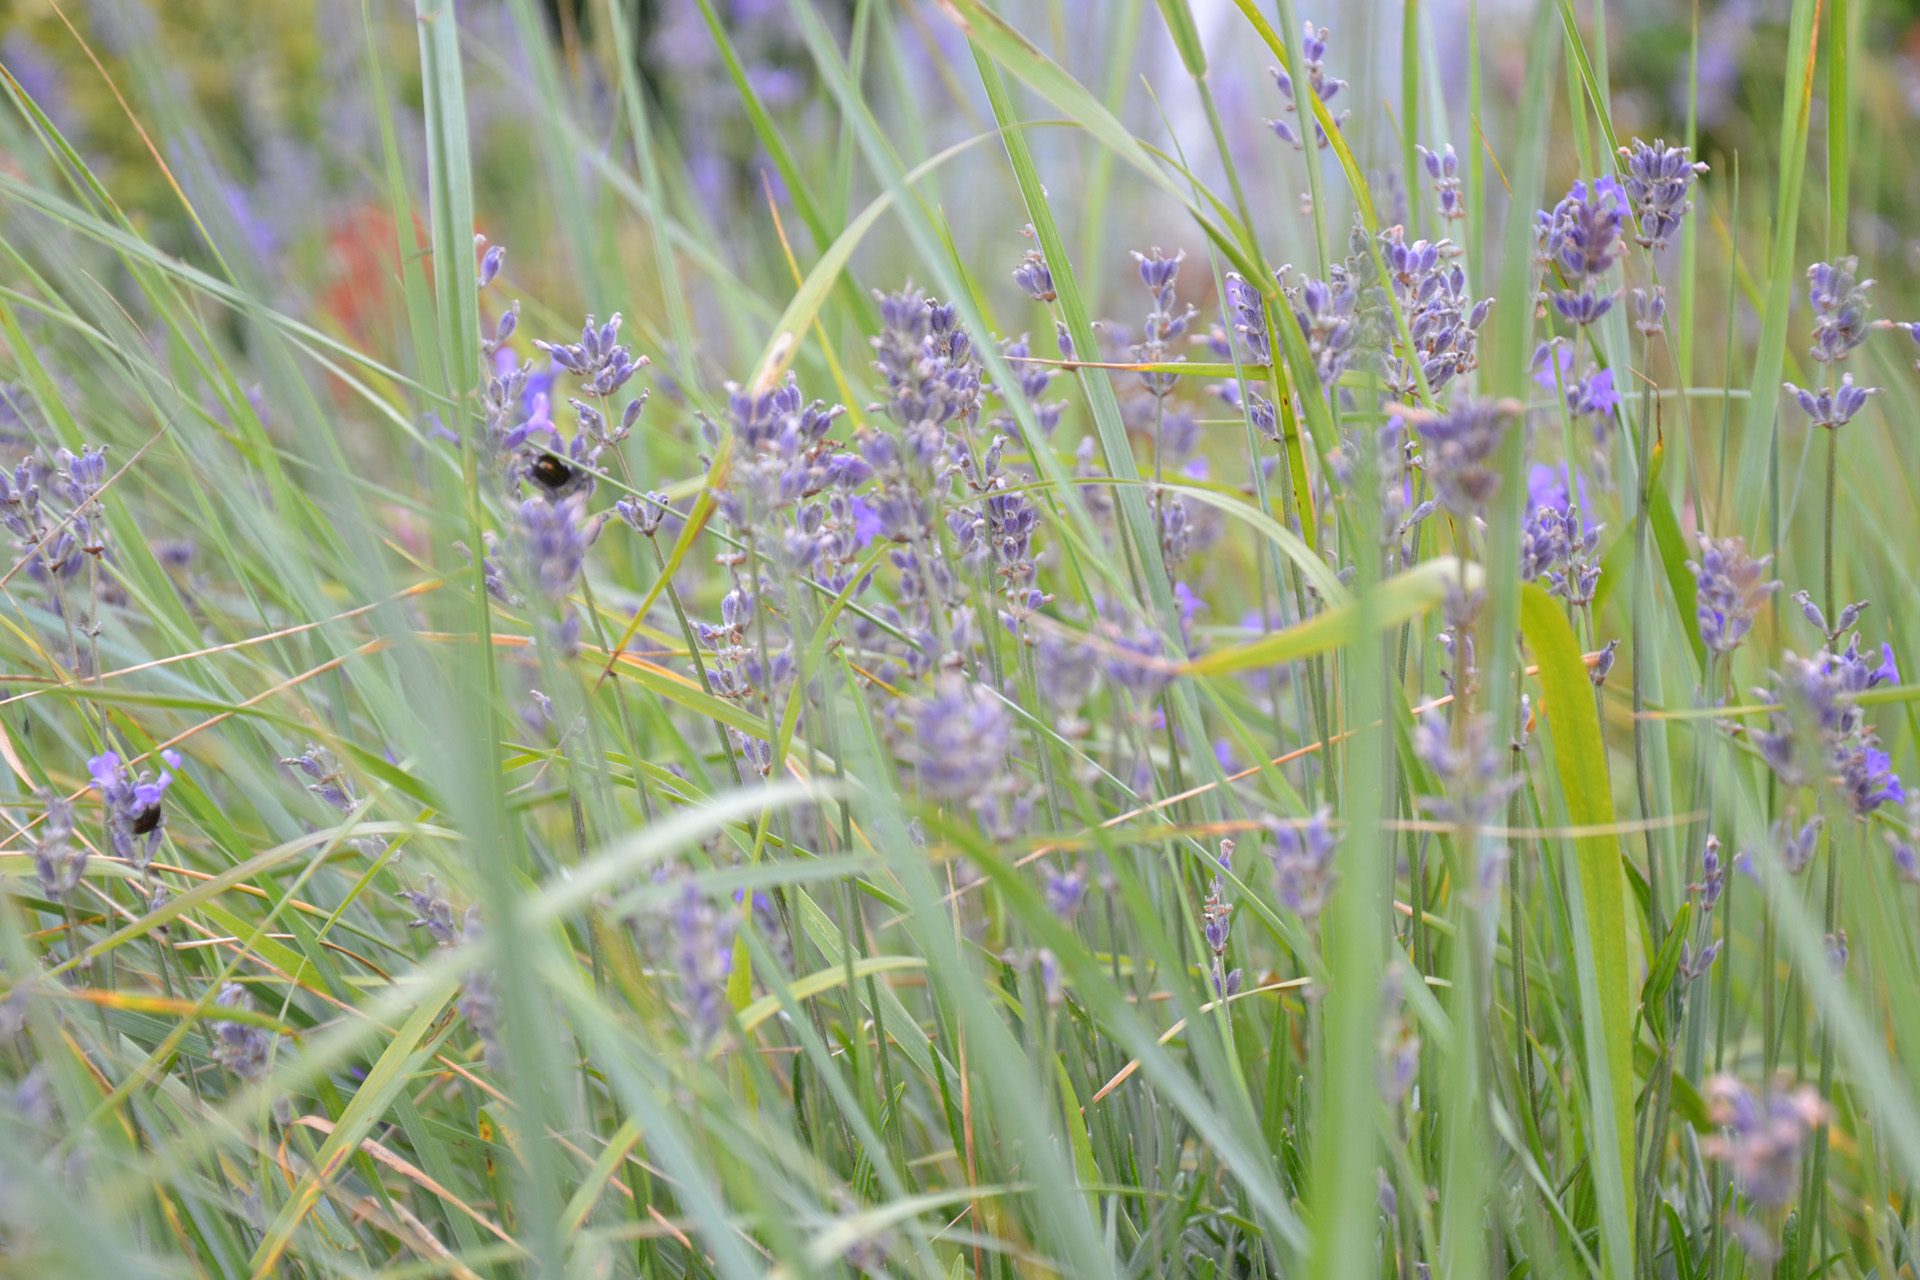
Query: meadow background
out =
(1049, 686)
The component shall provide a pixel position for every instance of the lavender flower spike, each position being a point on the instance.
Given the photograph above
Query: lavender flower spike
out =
(1581, 237)
(1313, 53)
(1839, 308)
(1443, 167)
(55, 859)
(1732, 587)
(1658, 178)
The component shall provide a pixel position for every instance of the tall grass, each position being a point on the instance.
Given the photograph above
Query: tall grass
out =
(1303, 783)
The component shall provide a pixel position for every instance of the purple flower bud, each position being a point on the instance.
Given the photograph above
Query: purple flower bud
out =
(490, 264)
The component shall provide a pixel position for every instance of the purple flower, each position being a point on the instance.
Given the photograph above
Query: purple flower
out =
(56, 861)
(1732, 587)
(703, 955)
(1313, 53)
(136, 818)
(1302, 856)
(1658, 178)
(599, 359)
(1065, 889)
(1033, 276)
(1248, 312)
(328, 779)
(962, 739)
(552, 543)
(1713, 875)
(240, 1047)
(1906, 860)
(1833, 407)
(1458, 452)
(1472, 773)
(1839, 308)
(1867, 778)
(1797, 844)
(1443, 168)
(645, 512)
(1581, 237)
(432, 911)
(1762, 1135)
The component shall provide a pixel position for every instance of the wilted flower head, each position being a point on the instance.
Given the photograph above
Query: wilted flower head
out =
(1762, 1135)
(1658, 178)
(1732, 587)
(1033, 276)
(1839, 308)
(1313, 53)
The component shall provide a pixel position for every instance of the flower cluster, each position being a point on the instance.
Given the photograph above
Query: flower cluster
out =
(1557, 545)
(1839, 300)
(1762, 1134)
(1442, 319)
(783, 460)
(1216, 926)
(1589, 396)
(1832, 407)
(1580, 239)
(1658, 178)
(1731, 586)
(1818, 710)
(1471, 770)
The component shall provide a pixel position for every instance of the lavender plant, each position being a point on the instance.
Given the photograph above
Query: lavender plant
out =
(1305, 772)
